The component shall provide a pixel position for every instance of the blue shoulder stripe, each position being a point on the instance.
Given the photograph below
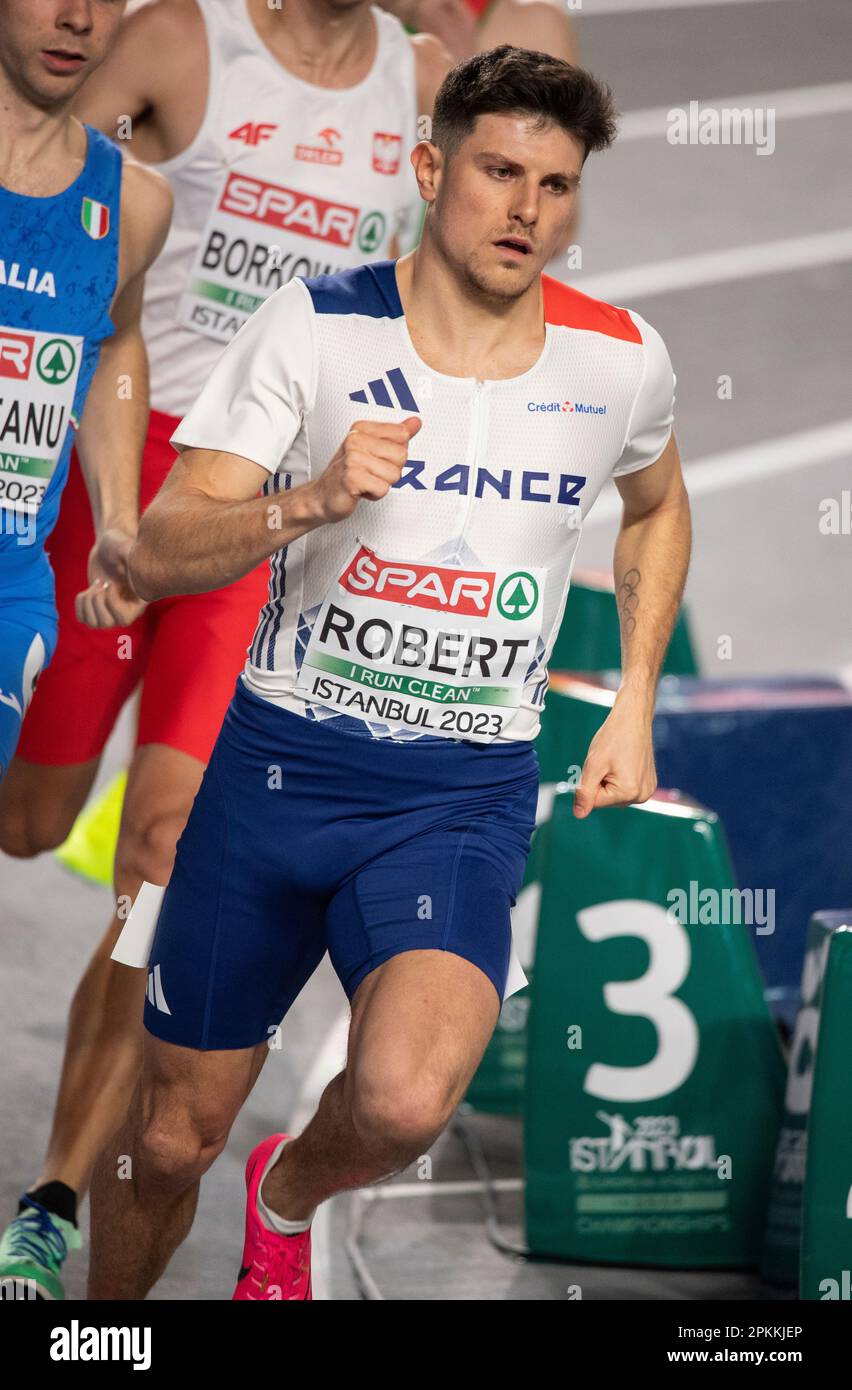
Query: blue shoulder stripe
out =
(366, 289)
(103, 165)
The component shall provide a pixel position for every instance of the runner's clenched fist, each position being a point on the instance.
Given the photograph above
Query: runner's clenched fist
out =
(367, 464)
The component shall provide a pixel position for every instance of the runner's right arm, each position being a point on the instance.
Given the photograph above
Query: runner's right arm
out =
(207, 527)
(112, 430)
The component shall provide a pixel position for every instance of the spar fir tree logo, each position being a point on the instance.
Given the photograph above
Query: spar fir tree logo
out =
(56, 361)
(371, 231)
(95, 218)
(517, 596)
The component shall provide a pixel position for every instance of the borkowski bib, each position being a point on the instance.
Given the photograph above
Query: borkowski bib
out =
(283, 178)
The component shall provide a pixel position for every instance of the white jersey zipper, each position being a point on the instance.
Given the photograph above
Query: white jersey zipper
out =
(479, 410)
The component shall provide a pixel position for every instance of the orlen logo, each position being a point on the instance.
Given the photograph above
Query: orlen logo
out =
(16, 351)
(424, 586)
(252, 132)
(567, 407)
(322, 154)
(285, 207)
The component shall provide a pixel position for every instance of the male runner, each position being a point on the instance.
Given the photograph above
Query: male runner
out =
(472, 26)
(282, 133)
(75, 240)
(78, 229)
(430, 433)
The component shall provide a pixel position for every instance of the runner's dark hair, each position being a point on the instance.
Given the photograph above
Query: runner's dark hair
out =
(520, 80)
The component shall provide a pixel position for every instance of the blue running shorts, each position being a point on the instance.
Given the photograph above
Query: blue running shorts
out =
(28, 634)
(305, 838)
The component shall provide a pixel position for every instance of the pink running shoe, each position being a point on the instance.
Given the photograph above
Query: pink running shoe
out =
(274, 1266)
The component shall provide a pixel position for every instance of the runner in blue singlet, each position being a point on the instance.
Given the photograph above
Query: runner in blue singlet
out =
(78, 228)
(75, 240)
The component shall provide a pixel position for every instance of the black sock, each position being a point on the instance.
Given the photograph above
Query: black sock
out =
(57, 1198)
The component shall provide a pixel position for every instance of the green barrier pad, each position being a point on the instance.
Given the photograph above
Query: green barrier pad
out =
(90, 848)
(590, 638)
(575, 709)
(574, 712)
(654, 1076)
(826, 1269)
(784, 1218)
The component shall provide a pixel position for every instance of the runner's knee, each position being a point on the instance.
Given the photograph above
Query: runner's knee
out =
(177, 1145)
(403, 1114)
(146, 845)
(31, 826)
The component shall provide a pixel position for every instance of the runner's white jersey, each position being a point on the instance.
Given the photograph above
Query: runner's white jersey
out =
(283, 178)
(433, 611)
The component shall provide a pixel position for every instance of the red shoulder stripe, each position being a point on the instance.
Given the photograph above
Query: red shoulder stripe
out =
(568, 308)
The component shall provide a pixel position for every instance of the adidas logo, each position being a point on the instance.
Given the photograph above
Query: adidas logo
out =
(382, 396)
(154, 991)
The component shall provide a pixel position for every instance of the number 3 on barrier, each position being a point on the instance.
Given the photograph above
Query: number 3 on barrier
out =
(649, 996)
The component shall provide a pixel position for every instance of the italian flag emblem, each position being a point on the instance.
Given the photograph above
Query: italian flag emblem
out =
(95, 218)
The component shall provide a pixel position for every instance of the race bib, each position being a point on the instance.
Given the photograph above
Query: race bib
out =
(38, 378)
(258, 236)
(435, 649)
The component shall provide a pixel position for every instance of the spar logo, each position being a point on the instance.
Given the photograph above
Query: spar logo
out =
(467, 592)
(287, 208)
(56, 361)
(517, 596)
(370, 232)
(386, 152)
(16, 352)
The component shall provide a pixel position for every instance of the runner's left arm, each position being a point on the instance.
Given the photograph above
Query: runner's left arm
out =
(112, 431)
(650, 563)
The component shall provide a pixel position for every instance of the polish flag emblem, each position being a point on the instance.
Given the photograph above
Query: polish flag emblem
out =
(386, 152)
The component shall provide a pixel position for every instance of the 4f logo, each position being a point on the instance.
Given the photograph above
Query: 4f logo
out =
(253, 132)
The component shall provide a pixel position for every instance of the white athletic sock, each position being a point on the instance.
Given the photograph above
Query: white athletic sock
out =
(270, 1219)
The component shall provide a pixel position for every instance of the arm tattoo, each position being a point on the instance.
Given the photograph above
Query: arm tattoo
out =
(627, 600)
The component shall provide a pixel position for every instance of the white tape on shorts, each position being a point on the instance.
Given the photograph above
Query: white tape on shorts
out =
(133, 947)
(516, 979)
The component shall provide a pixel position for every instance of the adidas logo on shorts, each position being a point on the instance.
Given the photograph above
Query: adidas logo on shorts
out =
(154, 992)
